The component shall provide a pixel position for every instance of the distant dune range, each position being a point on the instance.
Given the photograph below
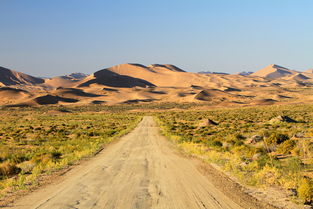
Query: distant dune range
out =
(136, 83)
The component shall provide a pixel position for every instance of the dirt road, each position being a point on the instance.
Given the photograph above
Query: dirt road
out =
(139, 171)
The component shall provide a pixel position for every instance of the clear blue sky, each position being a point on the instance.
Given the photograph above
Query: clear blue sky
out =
(54, 37)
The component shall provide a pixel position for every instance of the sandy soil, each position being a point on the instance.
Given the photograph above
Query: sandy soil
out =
(140, 171)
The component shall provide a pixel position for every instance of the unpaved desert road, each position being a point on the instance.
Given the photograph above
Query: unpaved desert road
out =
(139, 171)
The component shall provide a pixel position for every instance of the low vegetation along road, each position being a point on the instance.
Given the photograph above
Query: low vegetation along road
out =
(139, 171)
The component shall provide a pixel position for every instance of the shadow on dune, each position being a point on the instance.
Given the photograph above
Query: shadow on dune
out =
(133, 101)
(265, 101)
(17, 105)
(157, 92)
(13, 90)
(109, 78)
(76, 92)
(50, 99)
(10, 77)
(98, 102)
(111, 90)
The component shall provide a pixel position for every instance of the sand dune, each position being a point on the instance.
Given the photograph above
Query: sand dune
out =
(112, 79)
(12, 91)
(12, 94)
(205, 95)
(274, 72)
(297, 77)
(47, 99)
(57, 82)
(73, 92)
(66, 81)
(215, 95)
(11, 77)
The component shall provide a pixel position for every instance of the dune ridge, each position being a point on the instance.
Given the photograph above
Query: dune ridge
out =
(136, 83)
(10, 77)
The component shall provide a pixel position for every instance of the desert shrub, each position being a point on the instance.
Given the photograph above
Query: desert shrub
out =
(239, 137)
(295, 151)
(235, 139)
(55, 155)
(276, 138)
(8, 169)
(286, 147)
(293, 165)
(215, 143)
(305, 190)
(238, 143)
(263, 161)
(310, 149)
(305, 149)
(244, 151)
(27, 166)
(291, 168)
(268, 175)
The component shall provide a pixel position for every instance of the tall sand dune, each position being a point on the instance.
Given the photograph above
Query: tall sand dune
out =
(10, 77)
(274, 71)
